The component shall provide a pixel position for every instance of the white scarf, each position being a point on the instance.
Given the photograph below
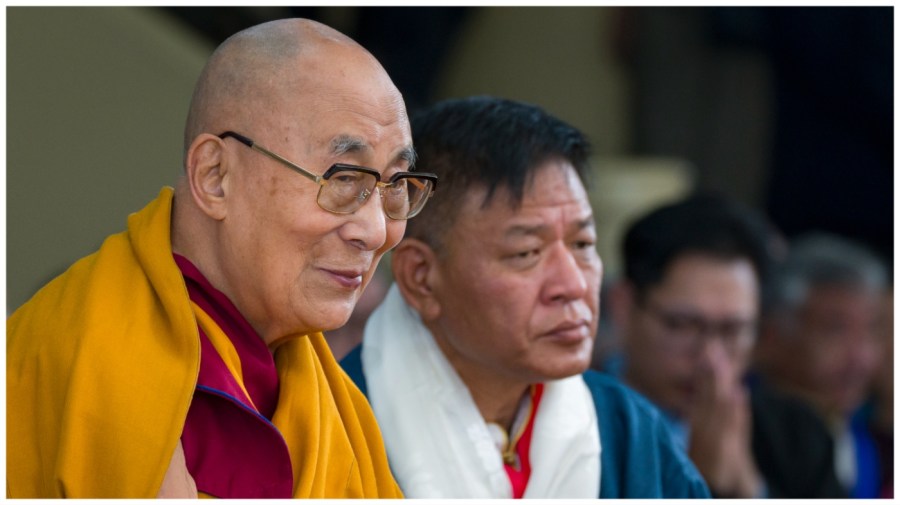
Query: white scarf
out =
(437, 442)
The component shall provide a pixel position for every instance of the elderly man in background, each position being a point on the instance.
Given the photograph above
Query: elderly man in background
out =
(475, 361)
(185, 356)
(822, 343)
(687, 311)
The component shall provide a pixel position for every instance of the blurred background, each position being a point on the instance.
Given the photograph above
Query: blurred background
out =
(789, 110)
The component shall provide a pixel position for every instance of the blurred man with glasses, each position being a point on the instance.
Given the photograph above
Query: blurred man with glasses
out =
(687, 309)
(186, 356)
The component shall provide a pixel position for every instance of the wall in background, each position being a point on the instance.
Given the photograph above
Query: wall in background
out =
(96, 101)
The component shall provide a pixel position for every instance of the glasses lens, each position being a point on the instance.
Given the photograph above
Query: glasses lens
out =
(405, 197)
(346, 190)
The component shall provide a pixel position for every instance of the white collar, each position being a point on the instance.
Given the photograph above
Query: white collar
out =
(438, 444)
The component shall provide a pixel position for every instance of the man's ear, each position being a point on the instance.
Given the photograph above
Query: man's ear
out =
(206, 175)
(417, 275)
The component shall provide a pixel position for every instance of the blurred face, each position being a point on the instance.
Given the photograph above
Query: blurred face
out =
(290, 266)
(704, 307)
(519, 288)
(837, 336)
(884, 378)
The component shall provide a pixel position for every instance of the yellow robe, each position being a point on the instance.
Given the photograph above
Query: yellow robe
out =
(101, 368)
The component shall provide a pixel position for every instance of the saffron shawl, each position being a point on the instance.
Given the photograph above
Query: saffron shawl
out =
(101, 368)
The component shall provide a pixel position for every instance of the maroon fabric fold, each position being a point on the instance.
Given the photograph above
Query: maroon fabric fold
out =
(231, 448)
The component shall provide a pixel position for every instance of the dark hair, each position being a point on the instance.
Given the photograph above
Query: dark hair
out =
(485, 142)
(703, 223)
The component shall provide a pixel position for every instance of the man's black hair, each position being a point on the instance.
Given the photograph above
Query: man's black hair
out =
(706, 224)
(485, 142)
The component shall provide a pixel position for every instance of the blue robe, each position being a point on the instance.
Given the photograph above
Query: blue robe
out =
(638, 457)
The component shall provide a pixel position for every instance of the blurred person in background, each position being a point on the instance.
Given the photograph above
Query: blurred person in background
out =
(821, 342)
(687, 312)
(879, 409)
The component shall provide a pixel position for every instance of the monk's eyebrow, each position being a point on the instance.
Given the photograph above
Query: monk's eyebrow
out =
(348, 144)
(408, 154)
(345, 144)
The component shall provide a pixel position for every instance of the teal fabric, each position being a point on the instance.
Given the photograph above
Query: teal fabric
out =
(639, 458)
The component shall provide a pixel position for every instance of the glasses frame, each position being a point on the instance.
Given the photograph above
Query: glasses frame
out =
(706, 329)
(322, 180)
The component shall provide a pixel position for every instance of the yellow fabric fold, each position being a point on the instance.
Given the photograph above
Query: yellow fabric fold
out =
(101, 368)
(224, 348)
(340, 442)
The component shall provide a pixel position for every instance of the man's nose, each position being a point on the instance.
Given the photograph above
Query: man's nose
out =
(367, 228)
(709, 341)
(566, 280)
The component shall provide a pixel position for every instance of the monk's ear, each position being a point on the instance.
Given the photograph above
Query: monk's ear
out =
(206, 174)
(417, 275)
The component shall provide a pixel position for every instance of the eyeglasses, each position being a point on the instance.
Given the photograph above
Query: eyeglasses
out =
(686, 331)
(345, 188)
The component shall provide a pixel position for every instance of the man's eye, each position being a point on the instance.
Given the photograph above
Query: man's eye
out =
(680, 323)
(524, 258)
(397, 189)
(344, 179)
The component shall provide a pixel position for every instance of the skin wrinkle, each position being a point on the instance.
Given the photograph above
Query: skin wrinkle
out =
(351, 105)
(346, 144)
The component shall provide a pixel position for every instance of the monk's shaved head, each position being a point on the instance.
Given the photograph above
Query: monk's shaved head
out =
(250, 73)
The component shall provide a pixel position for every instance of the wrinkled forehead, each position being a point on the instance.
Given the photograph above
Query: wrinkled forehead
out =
(330, 103)
(558, 202)
(553, 183)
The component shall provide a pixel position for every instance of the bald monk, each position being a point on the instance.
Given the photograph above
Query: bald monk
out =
(185, 357)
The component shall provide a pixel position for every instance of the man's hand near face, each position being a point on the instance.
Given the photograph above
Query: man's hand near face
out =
(720, 425)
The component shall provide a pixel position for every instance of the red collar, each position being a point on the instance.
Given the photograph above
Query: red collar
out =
(520, 471)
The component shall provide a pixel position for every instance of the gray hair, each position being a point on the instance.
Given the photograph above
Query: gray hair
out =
(820, 259)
